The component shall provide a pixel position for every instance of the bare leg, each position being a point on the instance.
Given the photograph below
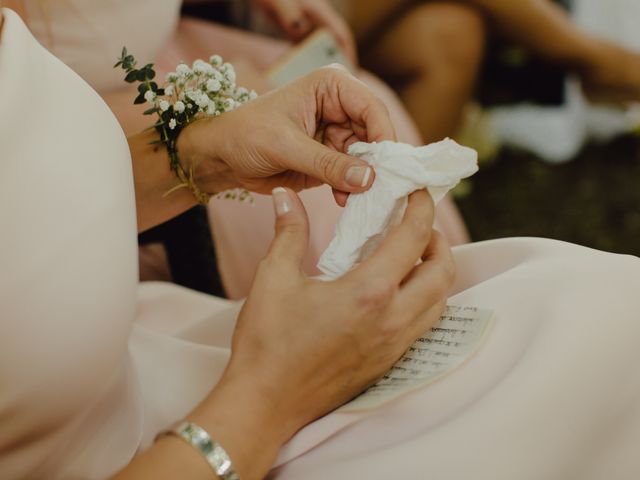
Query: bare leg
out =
(608, 71)
(432, 54)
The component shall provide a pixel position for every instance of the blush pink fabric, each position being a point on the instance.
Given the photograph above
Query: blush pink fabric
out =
(93, 366)
(89, 34)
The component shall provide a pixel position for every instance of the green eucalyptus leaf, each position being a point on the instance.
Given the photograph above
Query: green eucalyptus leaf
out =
(139, 99)
(131, 76)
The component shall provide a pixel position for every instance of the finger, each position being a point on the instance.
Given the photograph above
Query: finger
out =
(323, 14)
(401, 249)
(424, 322)
(430, 281)
(292, 228)
(343, 172)
(290, 17)
(340, 197)
(342, 98)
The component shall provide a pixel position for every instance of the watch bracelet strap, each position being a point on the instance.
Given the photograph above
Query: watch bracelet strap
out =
(212, 451)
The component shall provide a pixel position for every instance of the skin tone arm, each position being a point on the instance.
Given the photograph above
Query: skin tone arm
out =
(329, 106)
(279, 377)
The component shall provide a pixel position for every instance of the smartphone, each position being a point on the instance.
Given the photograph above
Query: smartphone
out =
(317, 50)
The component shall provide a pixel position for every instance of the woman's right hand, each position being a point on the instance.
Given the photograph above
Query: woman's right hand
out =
(303, 347)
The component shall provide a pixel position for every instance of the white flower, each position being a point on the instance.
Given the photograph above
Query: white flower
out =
(171, 77)
(164, 105)
(192, 94)
(213, 85)
(149, 96)
(172, 123)
(229, 72)
(216, 75)
(200, 67)
(228, 104)
(169, 90)
(211, 107)
(183, 70)
(215, 60)
(202, 101)
(241, 92)
(178, 106)
(253, 95)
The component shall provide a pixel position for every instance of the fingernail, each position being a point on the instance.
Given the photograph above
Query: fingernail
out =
(281, 201)
(358, 176)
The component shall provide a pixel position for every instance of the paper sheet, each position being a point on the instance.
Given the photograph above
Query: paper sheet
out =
(447, 345)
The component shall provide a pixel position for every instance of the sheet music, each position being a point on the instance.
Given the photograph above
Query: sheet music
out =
(447, 345)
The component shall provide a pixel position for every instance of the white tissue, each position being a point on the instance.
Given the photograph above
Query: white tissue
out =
(401, 169)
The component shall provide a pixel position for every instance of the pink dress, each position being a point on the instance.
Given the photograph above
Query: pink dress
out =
(93, 365)
(89, 34)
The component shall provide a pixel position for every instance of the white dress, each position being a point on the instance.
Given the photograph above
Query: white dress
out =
(92, 365)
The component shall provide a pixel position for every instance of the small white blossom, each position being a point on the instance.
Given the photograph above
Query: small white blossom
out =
(179, 106)
(192, 94)
(163, 105)
(171, 77)
(169, 90)
(216, 75)
(183, 70)
(202, 101)
(213, 85)
(253, 95)
(228, 104)
(172, 123)
(229, 72)
(149, 96)
(215, 60)
(202, 67)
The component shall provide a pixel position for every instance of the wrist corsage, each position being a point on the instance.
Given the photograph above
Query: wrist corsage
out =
(206, 89)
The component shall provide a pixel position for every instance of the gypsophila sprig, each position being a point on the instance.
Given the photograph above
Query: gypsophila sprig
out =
(204, 89)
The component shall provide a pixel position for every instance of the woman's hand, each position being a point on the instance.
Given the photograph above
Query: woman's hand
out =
(298, 18)
(303, 347)
(294, 136)
(323, 342)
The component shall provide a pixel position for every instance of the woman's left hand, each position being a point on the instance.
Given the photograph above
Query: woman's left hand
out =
(298, 18)
(295, 136)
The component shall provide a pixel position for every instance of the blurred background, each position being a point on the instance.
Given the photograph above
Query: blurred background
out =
(553, 164)
(547, 92)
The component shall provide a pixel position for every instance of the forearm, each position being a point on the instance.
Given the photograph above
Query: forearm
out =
(247, 426)
(153, 180)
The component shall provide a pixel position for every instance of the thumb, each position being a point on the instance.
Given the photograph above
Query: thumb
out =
(343, 172)
(292, 228)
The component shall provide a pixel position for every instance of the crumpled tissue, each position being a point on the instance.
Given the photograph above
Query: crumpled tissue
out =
(401, 169)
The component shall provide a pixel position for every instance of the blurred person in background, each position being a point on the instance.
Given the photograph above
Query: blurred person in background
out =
(89, 34)
(431, 51)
